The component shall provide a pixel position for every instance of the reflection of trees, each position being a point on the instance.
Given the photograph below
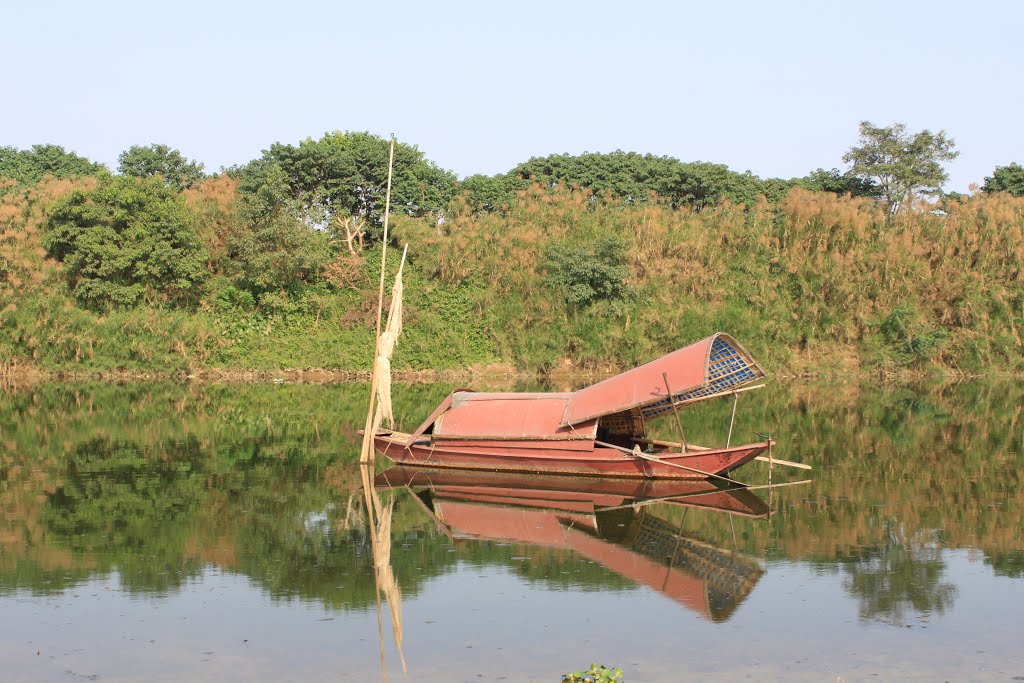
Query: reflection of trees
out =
(897, 581)
(158, 513)
(130, 509)
(1009, 564)
(255, 479)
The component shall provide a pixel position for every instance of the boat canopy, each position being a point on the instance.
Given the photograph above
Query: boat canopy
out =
(711, 366)
(510, 417)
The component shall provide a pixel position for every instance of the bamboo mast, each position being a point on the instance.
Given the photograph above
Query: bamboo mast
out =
(366, 453)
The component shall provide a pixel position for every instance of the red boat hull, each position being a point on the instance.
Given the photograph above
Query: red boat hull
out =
(548, 458)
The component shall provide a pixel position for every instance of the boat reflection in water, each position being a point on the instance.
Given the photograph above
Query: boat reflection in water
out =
(609, 521)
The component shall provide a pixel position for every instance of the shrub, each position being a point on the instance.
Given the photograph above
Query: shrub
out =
(127, 240)
(586, 275)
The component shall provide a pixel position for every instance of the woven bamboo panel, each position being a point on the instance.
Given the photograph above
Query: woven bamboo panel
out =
(728, 368)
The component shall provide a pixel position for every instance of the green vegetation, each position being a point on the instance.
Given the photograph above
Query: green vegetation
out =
(595, 674)
(587, 261)
(125, 241)
(161, 160)
(29, 166)
(345, 174)
(1009, 178)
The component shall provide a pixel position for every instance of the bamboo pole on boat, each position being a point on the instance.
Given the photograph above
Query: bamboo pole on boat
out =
(366, 453)
(675, 411)
(691, 401)
(732, 420)
(386, 348)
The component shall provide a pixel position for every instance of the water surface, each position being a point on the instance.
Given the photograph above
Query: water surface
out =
(219, 532)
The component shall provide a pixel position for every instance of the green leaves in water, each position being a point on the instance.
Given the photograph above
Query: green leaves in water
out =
(595, 674)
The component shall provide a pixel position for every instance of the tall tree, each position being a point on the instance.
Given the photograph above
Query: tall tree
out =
(903, 164)
(1008, 178)
(143, 162)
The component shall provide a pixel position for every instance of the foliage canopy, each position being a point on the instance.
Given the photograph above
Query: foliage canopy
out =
(270, 246)
(1009, 178)
(635, 178)
(838, 182)
(346, 174)
(28, 166)
(156, 159)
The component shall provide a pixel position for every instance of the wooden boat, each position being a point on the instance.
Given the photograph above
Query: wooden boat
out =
(600, 430)
(609, 521)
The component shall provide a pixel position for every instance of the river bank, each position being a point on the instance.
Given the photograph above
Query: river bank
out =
(815, 285)
(565, 375)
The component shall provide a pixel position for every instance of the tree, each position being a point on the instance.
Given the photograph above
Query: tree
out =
(272, 247)
(837, 182)
(901, 163)
(1006, 179)
(30, 165)
(128, 239)
(346, 174)
(176, 171)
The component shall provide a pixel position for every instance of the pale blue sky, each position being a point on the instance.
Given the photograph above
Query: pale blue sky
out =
(774, 87)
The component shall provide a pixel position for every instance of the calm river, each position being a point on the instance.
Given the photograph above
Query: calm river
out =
(165, 532)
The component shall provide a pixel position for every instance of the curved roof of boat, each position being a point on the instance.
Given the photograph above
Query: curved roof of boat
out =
(714, 365)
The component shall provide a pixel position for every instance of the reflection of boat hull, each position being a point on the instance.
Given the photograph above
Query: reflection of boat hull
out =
(570, 493)
(604, 520)
(546, 458)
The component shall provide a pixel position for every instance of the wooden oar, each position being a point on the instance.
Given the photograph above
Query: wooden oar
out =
(779, 486)
(638, 454)
(787, 463)
(692, 447)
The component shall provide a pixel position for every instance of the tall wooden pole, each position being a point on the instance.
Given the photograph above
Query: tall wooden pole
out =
(366, 453)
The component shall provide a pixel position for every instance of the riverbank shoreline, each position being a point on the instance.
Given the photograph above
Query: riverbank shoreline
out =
(565, 374)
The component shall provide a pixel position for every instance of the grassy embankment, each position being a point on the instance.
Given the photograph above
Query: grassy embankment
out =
(816, 283)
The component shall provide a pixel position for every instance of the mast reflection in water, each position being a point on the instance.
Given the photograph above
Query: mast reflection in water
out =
(611, 522)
